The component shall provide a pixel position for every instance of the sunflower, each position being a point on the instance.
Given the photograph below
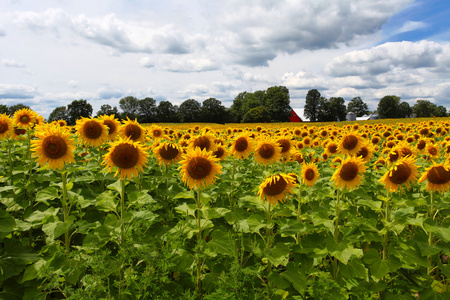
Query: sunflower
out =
(310, 174)
(167, 153)
(438, 176)
(6, 126)
(242, 146)
(331, 147)
(113, 126)
(267, 151)
(19, 133)
(91, 131)
(53, 146)
(350, 143)
(349, 173)
(204, 141)
(199, 168)
(285, 144)
(156, 132)
(432, 151)
(127, 156)
(132, 130)
(24, 118)
(403, 171)
(380, 163)
(61, 123)
(276, 188)
(366, 152)
(297, 156)
(220, 152)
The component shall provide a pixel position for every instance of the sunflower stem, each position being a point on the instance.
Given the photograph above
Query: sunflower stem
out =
(386, 235)
(122, 211)
(199, 240)
(66, 210)
(299, 211)
(11, 167)
(268, 242)
(335, 262)
(30, 161)
(430, 234)
(232, 185)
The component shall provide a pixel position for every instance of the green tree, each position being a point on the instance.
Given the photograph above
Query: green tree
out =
(312, 105)
(147, 110)
(277, 102)
(130, 107)
(236, 107)
(213, 111)
(405, 111)
(107, 109)
(358, 106)
(59, 113)
(3, 109)
(257, 115)
(388, 107)
(441, 111)
(13, 108)
(166, 112)
(338, 108)
(325, 111)
(189, 111)
(426, 109)
(77, 109)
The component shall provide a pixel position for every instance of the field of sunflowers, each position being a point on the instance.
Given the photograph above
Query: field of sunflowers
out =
(121, 210)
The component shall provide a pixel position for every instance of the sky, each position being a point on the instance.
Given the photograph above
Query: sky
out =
(55, 51)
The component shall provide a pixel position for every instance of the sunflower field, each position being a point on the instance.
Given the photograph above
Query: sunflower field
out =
(122, 210)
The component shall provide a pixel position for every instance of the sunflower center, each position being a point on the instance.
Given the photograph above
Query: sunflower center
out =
(285, 145)
(54, 147)
(157, 133)
(111, 126)
(202, 142)
(241, 144)
(92, 129)
(421, 145)
(433, 151)
(266, 151)
(275, 187)
(350, 142)
(400, 173)
(332, 148)
(19, 131)
(309, 174)
(219, 152)
(199, 168)
(133, 131)
(349, 171)
(3, 127)
(438, 175)
(168, 152)
(24, 119)
(363, 152)
(406, 152)
(125, 156)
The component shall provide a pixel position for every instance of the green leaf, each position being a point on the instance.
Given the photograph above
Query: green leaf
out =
(296, 277)
(107, 201)
(146, 216)
(47, 194)
(442, 232)
(13, 259)
(277, 254)
(220, 243)
(374, 205)
(185, 195)
(186, 209)
(344, 252)
(40, 217)
(426, 249)
(116, 186)
(7, 222)
(354, 268)
(214, 213)
(32, 271)
(140, 198)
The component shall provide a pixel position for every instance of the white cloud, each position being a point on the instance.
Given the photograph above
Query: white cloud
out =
(303, 80)
(73, 83)
(410, 26)
(17, 91)
(12, 63)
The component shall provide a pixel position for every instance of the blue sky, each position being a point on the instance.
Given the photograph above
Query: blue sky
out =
(55, 51)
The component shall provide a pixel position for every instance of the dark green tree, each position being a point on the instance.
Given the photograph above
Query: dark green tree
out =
(213, 111)
(405, 111)
(147, 110)
(166, 112)
(77, 109)
(358, 106)
(107, 109)
(3, 109)
(59, 113)
(129, 106)
(236, 108)
(338, 108)
(441, 111)
(325, 111)
(257, 115)
(426, 109)
(189, 111)
(312, 105)
(388, 107)
(13, 108)
(277, 102)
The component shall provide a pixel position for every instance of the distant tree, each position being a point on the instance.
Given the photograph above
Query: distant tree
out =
(59, 113)
(13, 108)
(358, 106)
(388, 107)
(325, 111)
(129, 106)
(277, 102)
(213, 111)
(257, 115)
(77, 109)
(236, 107)
(147, 110)
(107, 109)
(425, 109)
(3, 109)
(404, 110)
(166, 112)
(189, 111)
(338, 108)
(312, 104)
(441, 111)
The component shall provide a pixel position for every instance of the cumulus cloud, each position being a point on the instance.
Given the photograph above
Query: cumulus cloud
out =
(73, 83)
(185, 63)
(410, 26)
(17, 91)
(108, 93)
(385, 57)
(12, 63)
(146, 62)
(303, 80)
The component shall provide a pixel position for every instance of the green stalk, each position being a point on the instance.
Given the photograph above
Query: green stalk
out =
(386, 235)
(335, 262)
(430, 234)
(299, 211)
(66, 209)
(199, 240)
(232, 185)
(268, 243)
(122, 211)
(11, 167)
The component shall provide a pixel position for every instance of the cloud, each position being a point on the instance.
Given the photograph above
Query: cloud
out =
(146, 62)
(2, 31)
(73, 83)
(410, 26)
(108, 93)
(186, 63)
(303, 80)
(11, 63)
(385, 57)
(17, 91)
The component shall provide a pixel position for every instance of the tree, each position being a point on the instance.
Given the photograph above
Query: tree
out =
(338, 108)
(405, 111)
(3, 109)
(424, 109)
(311, 105)
(257, 115)
(130, 107)
(12, 109)
(59, 113)
(358, 106)
(277, 102)
(325, 111)
(107, 109)
(78, 109)
(213, 111)
(166, 112)
(189, 111)
(147, 110)
(388, 107)
(441, 111)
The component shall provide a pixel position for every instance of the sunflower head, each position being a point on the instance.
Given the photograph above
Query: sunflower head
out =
(404, 171)
(220, 152)
(91, 131)
(156, 132)
(276, 188)
(350, 143)
(310, 174)
(349, 174)
(199, 168)
(267, 151)
(6, 126)
(438, 177)
(132, 130)
(24, 118)
(204, 142)
(167, 153)
(112, 124)
(242, 146)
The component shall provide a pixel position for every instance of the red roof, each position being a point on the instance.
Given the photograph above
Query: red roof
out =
(294, 117)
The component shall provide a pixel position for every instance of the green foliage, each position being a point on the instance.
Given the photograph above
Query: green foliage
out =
(189, 111)
(257, 115)
(167, 112)
(358, 106)
(331, 110)
(78, 109)
(312, 105)
(59, 113)
(388, 107)
(107, 109)
(213, 111)
(424, 108)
